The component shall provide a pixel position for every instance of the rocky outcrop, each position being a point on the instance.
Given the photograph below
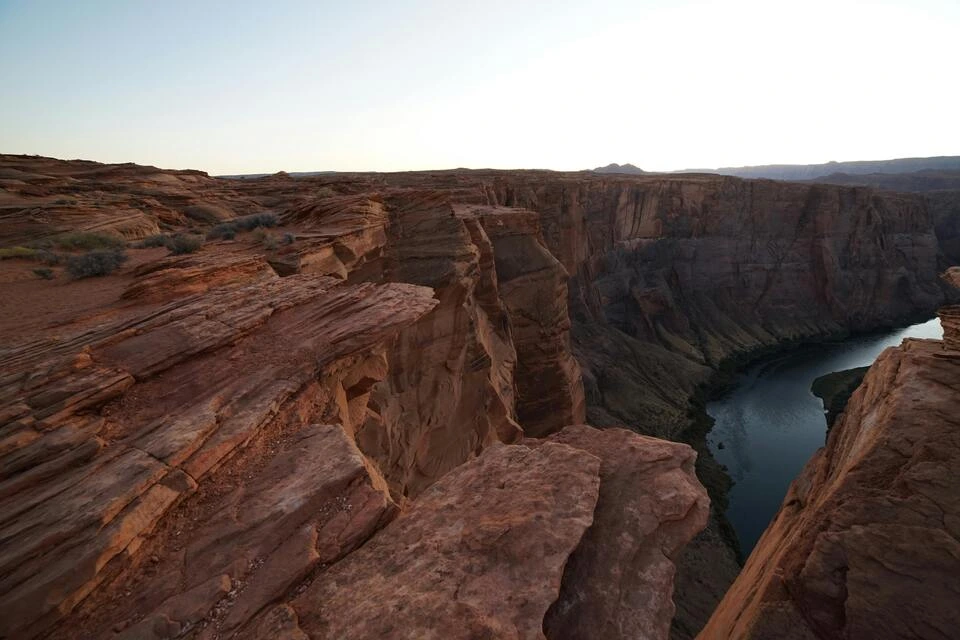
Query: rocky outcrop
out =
(487, 549)
(450, 388)
(866, 542)
(106, 431)
(501, 524)
(950, 315)
(43, 197)
(619, 581)
(835, 389)
(533, 287)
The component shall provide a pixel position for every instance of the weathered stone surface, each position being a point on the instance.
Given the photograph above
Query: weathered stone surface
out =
(313, 502)
(619, 581)
(478, 554)
(950, 315)
(126, 200)
(179, 391)
(866, 542)
(450, 390)
(533, 287)
(180, 276)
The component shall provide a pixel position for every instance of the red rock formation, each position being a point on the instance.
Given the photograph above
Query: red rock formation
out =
(619, 581)
(107, 430)
(199, 445)
(533, 287)
(502, 524)
(866, 542)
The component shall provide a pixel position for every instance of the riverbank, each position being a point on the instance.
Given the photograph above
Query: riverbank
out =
(768, 424)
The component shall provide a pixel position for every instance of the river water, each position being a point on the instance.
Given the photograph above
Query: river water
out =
(770, 423)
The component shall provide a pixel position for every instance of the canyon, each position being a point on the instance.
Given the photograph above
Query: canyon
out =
(371, 420)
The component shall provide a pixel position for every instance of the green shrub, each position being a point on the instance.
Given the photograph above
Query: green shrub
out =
(98, 262)
(229, 230)
(43, 272)
(152, 242)
(288, 239)
(249, 223)
(178, 244)
(182, 244)
(86, 241)
(223, 231)
(17, 252)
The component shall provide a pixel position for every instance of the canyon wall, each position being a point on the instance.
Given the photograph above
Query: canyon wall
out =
(232, 439)
(865, 544)
(687, 274)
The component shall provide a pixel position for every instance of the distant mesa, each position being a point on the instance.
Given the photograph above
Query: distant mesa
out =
(613, 167)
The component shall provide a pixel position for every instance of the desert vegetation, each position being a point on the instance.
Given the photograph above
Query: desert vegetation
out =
(229, 230)
(99, 262)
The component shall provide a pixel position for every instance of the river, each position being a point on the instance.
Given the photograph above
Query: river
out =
(770, 423)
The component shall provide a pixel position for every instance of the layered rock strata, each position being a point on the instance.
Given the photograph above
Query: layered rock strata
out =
(206, 448)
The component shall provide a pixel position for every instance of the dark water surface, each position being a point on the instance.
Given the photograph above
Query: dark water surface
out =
(770, 424)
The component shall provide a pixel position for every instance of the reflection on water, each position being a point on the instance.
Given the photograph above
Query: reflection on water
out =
(771, 423)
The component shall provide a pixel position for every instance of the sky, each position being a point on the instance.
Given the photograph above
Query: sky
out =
(257, 87)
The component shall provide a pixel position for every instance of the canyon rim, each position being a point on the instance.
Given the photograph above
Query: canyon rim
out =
(459, 403)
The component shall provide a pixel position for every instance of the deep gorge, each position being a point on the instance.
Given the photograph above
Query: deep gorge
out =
(449, 325)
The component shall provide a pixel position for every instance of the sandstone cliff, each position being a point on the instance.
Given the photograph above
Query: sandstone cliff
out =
(866, 542)
(220, 444)
(253, 439)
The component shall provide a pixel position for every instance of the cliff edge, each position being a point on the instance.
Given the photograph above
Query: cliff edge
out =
(866, 542)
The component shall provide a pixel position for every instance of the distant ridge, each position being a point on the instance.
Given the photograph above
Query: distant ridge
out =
(857, 167)
(613, 167)
(293, 174)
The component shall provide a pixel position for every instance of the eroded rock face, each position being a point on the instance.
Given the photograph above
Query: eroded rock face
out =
(450, 388)
(479, 554)
(685, 273)
(105, 431)
(533, 287)
(866, 542)
(619, 581)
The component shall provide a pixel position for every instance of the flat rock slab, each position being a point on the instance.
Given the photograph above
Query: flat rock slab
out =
(480, 554)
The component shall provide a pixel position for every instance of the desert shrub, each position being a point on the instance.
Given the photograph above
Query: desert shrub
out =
(17, 252)
(43, 272)
(182, 244)
(249, 223)
(223, 231)
(98, 262)
(47, 257)
(288, 239)
(229, 230)
(151, 242)
(86, 241)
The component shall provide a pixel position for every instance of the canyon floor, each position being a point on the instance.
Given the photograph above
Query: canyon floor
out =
(460, 404)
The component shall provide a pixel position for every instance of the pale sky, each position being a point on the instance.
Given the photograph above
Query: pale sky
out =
(244, 87)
